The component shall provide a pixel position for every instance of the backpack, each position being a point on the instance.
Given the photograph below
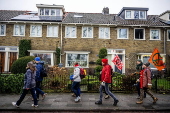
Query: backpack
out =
(43, 72)
(152, 74)
(82, 73)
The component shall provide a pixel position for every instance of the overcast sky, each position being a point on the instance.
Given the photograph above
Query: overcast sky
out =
(156, 7)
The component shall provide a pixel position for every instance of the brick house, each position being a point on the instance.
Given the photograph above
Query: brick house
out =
(131, 34)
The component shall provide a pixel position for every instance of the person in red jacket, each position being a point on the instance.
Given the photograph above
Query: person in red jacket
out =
(105, 81)
(145, 83)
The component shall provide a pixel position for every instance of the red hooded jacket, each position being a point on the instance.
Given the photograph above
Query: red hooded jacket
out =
(106, 74)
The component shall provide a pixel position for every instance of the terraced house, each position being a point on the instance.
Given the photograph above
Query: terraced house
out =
(131, 34)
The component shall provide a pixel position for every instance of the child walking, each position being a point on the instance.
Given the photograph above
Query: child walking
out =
(29, 85)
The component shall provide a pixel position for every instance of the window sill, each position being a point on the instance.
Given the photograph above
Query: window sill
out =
(86, 37)
(139, 39)
(35, 36)
(70, 37)
(19, 35)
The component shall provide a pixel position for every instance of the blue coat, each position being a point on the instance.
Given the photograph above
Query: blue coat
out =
(29, 79)
(39, 67)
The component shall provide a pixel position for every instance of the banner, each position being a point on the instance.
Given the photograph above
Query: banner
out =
(117, 61)
(156, 60)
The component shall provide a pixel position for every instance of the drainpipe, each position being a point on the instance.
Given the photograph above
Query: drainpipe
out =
(61, 43)
(164, 43)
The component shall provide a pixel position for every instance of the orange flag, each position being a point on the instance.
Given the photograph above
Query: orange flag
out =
(156, 60)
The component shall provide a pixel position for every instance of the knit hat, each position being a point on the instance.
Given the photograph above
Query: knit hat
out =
(105, 61)
(146, 64)
(139, 60)
(37, 59)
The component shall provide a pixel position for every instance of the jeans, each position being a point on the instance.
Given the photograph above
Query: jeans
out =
(106, 87)
(76, 88)
(38, 89)
(24, 92)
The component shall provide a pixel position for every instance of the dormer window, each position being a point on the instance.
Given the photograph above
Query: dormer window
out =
(132, 14)
(49, 12)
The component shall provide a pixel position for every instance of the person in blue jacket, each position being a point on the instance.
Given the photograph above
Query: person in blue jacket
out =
(39, 78)
(29, 85)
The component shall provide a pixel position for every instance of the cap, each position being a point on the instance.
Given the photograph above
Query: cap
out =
(37, 59)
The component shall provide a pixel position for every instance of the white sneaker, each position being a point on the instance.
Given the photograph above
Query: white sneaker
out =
(77, 99)
(34, 105)
(14, 104)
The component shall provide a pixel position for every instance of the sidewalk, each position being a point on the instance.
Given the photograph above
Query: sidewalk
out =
(65, 102)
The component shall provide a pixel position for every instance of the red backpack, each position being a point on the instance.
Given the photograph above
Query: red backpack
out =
(82, 73)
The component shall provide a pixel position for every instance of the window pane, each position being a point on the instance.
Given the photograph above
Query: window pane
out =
(145, 60)
(21, 29)
(136, 14)
(16, 29)
(44, 57)
(41, 11)
(57, 12)
(139, 34)
(55, 31)
(89, 31)
(84, 31)
(52, 11)
(80, 58)
(142, 14)
(33, 30)
(122, 33)
(106, 32)
(73, 32)
(49, 30)
(101, 32)
(68, 31)
(2, 30)
(154, 34)
(46, 11)
(38, 30)
(128, 14)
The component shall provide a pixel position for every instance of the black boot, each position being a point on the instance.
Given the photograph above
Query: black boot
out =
(98, 102)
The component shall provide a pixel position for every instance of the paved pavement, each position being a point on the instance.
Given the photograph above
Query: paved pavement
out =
(64, 102)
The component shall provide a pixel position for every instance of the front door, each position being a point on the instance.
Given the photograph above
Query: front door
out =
(2, 61)
(13, 57)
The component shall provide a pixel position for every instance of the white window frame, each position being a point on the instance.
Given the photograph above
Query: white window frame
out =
(19, 32)
(87, 32)
(143, 33)
(48, 35)
(77, 52)
(4, 30)
(118, 33)
(168, 35)
(104, 34)
(59, 13)
(70, 36)
(159, 34)
(132, 14)
(36, 35)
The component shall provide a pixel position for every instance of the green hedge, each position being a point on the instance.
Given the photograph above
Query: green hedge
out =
(11, 83)
(19, 66)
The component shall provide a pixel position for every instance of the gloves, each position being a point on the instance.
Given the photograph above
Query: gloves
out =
(137, 80)
(103, 83)
(149, 86)
(71, 77)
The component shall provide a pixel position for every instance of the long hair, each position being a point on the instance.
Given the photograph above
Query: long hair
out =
(31, 66)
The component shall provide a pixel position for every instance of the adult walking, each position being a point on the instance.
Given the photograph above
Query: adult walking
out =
(145, 83)
(105, 81)
(138, 69)
(29, 85)
(39, 78)
(76, 81)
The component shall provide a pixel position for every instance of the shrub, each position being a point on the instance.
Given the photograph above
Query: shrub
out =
(11, 83)
(24, 45)
(19, 66)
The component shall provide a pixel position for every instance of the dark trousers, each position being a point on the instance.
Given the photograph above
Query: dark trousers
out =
(138, 89)
(24, 92)
(38, 88)
(76, 88)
